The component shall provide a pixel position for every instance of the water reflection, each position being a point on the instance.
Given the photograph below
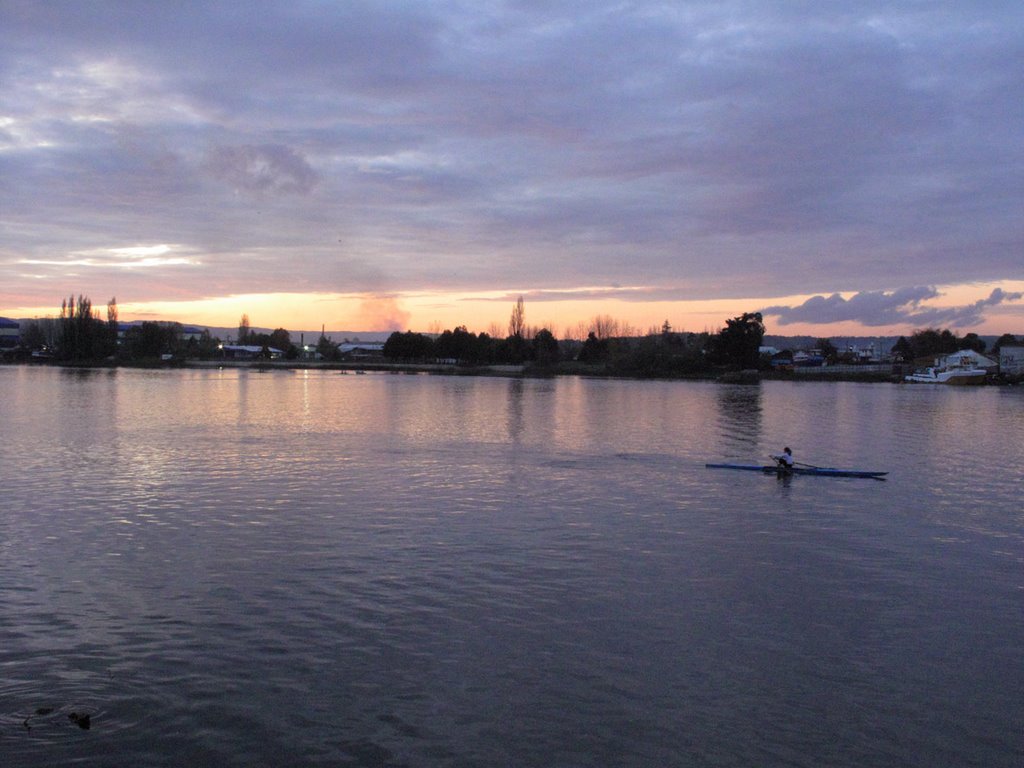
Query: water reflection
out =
(441, 571)
(739, 418)
(515, 411)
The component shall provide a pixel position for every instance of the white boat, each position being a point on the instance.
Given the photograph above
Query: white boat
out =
(948, 376)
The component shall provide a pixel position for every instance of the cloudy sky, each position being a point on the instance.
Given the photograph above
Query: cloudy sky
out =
(843, 166)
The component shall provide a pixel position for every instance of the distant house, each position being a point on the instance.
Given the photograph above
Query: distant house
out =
(361, 350)
(810, 359)
(1011, 360)
(968, 358)
(248, 352)
(869, 354)
(10, 333)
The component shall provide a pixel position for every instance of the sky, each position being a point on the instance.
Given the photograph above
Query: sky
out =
(846, 168)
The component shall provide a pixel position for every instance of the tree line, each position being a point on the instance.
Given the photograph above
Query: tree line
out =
(658, 354)
(80, 334)
(931, 342)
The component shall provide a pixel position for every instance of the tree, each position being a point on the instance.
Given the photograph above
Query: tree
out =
(930, 342)
(282, 340)
(604, 327)
(408, 346)
(973, 341)
(32, 335)
(902, 349)
(738, 343)
(327, 349)
(517, 322)
(1007, 339)
(112, 325)
(828, 350)
(594, 350)
(244, 330)
(81, 331)
(545, 347)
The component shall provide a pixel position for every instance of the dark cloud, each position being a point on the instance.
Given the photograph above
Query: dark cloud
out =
(882, 308)
(266, 169)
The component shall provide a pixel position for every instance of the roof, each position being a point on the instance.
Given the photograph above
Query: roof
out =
(253, 348)
(976, 358)
(366, 346)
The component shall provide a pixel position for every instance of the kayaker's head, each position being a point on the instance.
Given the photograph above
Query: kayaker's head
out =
(786, 449)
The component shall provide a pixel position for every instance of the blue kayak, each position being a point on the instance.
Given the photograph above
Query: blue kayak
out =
(822, 471)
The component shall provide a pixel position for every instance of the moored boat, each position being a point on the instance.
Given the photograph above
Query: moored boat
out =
(959, 376)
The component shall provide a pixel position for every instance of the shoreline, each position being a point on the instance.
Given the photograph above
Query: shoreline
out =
(749, 377)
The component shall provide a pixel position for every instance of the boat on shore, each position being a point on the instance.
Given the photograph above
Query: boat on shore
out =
(802, 470)
(958, 376)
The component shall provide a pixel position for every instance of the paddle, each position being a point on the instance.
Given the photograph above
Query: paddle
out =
(801, 464)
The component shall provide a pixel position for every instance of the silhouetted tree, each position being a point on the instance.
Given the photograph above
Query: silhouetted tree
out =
(738, 343)
(974, 342)
(1004, 340)
(409, 346)
(82, 333)
(32, 335)
(327, 349)
(112, 326)
(244, 330)
(517, 322)
(902, 349)
(594, 350)
(545, 348)
(931, 342)
(282, 340)
(828, 350)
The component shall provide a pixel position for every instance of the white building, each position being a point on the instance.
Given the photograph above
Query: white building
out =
(1011, 360)
(968, 358)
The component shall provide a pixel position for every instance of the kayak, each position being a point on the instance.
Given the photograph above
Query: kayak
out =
(822, 471)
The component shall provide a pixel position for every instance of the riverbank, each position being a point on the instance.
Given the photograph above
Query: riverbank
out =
(873, 374)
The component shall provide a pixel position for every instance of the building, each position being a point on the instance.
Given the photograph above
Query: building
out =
(248, 352)
(362, 350)
(10, 333)
(808, 359)
(968, 358)
(1011, 360)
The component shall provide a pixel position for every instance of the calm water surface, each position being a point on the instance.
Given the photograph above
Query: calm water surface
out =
(231, 568)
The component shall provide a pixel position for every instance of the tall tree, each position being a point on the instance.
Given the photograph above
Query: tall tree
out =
(605, 327)
(112, 326)
(517, 322)
(244, 330)
(80, 330)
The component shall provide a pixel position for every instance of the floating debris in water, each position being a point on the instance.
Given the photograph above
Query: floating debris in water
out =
(38, 713)
(82, 720)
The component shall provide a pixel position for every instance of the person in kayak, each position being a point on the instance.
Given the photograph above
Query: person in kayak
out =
(785, 460)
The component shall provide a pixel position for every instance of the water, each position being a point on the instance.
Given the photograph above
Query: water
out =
(232, 568)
